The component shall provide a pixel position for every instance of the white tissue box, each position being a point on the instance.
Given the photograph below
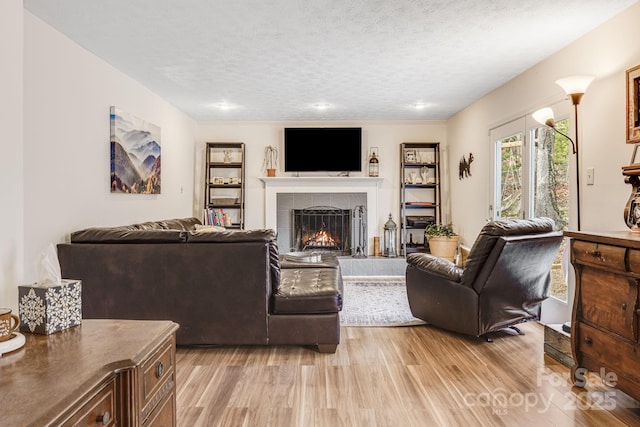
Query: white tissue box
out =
(50, 308)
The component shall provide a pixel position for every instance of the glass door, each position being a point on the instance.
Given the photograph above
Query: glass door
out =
(511, 171)
(531, 179)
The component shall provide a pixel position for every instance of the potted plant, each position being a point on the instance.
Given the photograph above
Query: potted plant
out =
(270, 160)
(442, 240)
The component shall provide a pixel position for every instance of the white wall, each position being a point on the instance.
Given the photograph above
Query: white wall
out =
(11, 165)
(605, 53)
(387, 136)
(67, 95)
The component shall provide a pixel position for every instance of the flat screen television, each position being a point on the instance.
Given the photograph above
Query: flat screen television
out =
(323, 149)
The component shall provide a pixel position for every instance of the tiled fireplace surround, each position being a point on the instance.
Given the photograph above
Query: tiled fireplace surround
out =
(285, 193)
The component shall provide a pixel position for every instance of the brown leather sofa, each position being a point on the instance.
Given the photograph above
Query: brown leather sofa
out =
(222, 287)
(504, 281)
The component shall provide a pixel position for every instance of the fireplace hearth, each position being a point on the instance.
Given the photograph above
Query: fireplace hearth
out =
(322, 228)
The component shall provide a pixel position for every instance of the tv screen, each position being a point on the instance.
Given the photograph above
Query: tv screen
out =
(322, 149)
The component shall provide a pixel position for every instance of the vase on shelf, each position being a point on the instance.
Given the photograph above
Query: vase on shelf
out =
(423, 174)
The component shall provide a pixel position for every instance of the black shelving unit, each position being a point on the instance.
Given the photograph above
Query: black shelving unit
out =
(224, 184)
(420, 193)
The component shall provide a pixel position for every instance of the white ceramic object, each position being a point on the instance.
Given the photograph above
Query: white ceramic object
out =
(13, 343)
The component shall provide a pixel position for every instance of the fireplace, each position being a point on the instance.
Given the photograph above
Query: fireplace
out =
(285, 193)
(322, 228)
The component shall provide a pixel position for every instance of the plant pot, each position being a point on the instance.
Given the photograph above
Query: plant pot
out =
(271, 172)
(444, 247)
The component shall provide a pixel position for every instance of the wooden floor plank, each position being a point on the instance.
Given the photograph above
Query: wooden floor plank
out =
(396, 376)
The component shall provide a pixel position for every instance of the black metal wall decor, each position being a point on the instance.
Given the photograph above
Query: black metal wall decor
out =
(465, 167)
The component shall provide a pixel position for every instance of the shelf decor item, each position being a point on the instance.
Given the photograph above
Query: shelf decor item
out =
(270, 160)
(424, 173)
(442, 240)
(390, 232)
(227, 155)
(410, 156)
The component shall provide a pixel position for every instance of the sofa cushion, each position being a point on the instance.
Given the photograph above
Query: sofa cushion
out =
(209, 228)
(164, 231)
(308, 291)
(327, 261)
(122, 235)
(257, 235)
(184, 224)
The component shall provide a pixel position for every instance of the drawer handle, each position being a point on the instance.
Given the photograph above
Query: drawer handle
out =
(596, 253)
(159, 369)
(104, 418)
(624, 306)
(587, 340)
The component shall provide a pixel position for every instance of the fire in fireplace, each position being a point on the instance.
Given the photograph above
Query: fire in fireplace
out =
(322, 228)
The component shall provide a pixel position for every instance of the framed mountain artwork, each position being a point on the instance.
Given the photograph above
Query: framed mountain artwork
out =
(135, 154)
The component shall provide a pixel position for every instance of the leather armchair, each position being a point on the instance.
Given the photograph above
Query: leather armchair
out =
(504, 281)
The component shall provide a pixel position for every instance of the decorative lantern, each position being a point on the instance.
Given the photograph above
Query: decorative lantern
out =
(374, 165)
(390, 231)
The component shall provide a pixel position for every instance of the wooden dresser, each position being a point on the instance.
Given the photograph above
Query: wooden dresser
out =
(606, 310)
(103, 373)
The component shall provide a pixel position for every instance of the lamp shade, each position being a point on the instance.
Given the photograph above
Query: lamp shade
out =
(575, 84)
(544, 116)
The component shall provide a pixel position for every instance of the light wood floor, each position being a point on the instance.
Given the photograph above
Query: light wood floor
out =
(397, 377)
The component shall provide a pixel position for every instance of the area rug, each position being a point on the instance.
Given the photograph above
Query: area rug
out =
(377, 301)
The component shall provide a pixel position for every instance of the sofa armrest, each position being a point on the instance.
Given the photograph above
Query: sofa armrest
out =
(436, 266)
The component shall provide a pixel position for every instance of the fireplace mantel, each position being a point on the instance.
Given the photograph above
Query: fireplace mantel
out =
(321, 180)
(322, 184)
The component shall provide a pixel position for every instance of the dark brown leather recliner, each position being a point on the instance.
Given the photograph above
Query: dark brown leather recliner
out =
(504, 281)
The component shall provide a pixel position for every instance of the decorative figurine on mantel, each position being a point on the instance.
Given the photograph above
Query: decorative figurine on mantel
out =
(270, 160)
(374, 164)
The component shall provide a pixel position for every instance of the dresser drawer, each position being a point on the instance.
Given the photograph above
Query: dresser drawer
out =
(609, 300)
(634, 260)
(156, 372)
(164, 414)
(99, 411)
(597, 254)
(618, 355)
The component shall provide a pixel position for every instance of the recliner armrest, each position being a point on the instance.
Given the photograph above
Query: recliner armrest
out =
(436, 266)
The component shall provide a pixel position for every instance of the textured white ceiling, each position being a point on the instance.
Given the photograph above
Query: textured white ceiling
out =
(367, 59)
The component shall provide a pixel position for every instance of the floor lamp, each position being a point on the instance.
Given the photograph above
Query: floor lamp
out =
(574, 87)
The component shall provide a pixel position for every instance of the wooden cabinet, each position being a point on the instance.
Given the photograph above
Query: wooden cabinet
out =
(606, 309)
(103, 373)
(224, 184)
(420, 193)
